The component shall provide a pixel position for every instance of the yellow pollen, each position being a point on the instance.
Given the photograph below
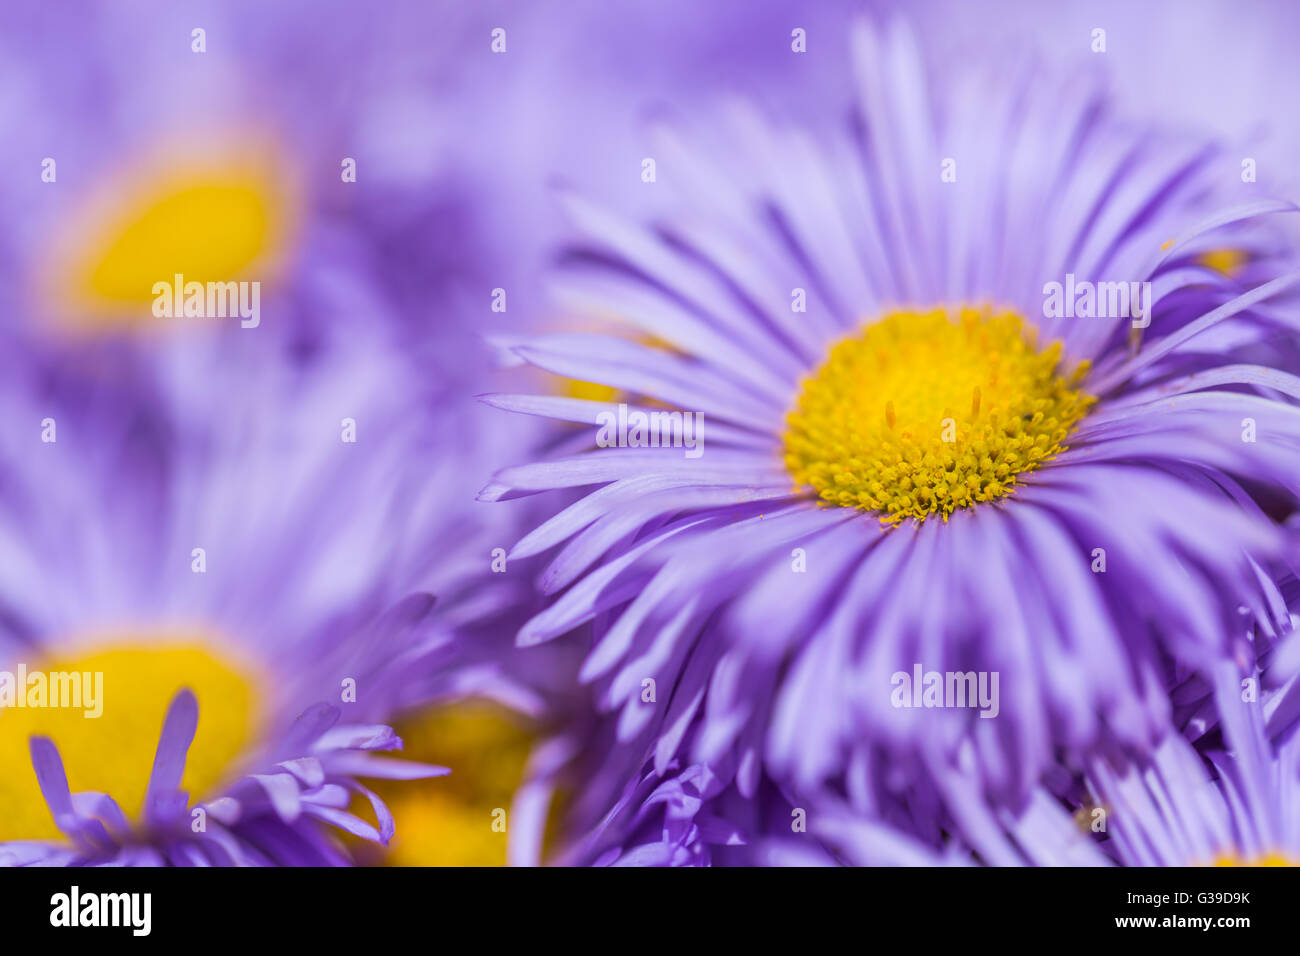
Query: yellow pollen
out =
(450, 821)
(208, 221)
(878, 426)
(114, 753)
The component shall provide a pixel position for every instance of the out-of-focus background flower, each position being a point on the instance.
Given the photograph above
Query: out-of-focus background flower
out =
(388, 173)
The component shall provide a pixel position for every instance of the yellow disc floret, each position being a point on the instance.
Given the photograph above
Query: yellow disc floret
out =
(108, 740)
(922, 413)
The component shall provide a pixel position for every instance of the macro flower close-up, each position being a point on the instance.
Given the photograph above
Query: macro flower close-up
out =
(738, 433)
(905, 423)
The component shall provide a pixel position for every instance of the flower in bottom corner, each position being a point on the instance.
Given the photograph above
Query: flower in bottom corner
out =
(1229, 798)
(1222, 791)
(880, 446)
(209, 612)
(278, 814)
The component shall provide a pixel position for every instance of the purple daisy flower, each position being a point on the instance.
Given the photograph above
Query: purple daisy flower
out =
(279, 815)
(245, 577)
(896, 450)
(1221, 793)
(1227, 797)
(258, 513)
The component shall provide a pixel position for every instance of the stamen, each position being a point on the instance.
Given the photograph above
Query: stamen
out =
(875, 429)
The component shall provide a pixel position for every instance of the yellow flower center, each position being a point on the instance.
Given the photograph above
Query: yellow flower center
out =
(919, 414)
(206, 220)
(463, 819)
(1268, 859)
(114, 753)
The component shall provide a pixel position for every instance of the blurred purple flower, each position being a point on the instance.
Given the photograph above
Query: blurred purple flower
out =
(244, 549)
(277, 816)
(197, 515)
(139, 158)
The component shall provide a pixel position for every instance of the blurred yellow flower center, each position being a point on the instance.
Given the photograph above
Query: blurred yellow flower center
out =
(462, 820)
(205, 230)
(1226, 260)
(1268, 859)
(207, 223)
(922, 413)
(596, 392)
(587, 391)
(114, 752)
